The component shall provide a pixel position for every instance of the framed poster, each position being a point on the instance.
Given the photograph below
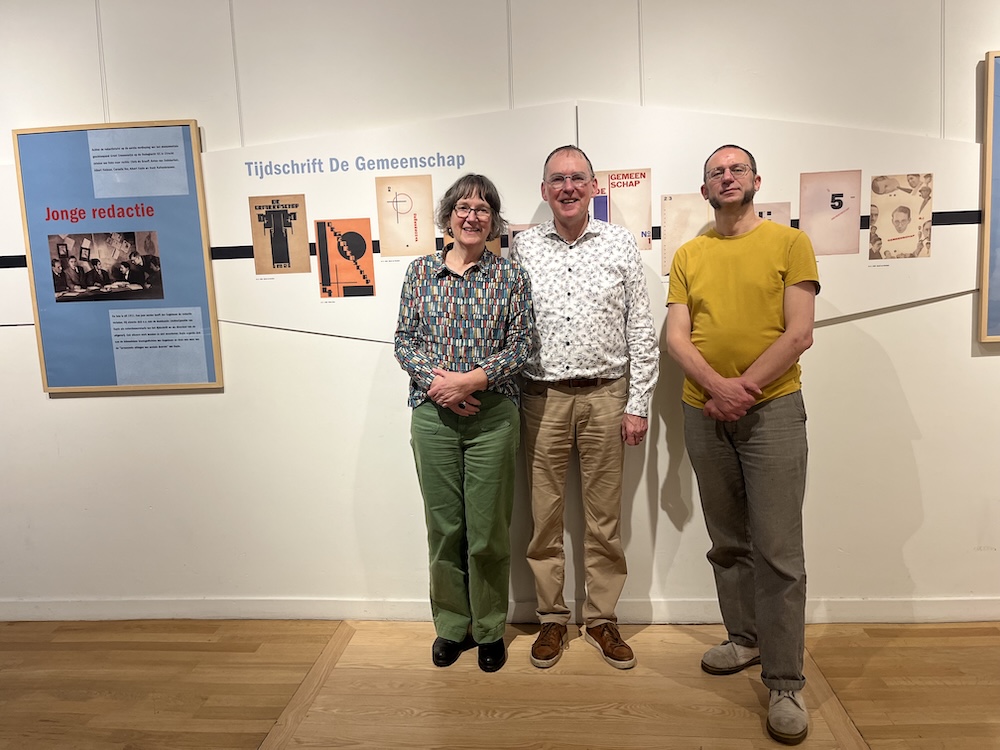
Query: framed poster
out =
(118, 257)
(989, 262)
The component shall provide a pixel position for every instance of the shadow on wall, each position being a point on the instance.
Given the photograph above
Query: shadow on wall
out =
(662, 493)
(863, 499)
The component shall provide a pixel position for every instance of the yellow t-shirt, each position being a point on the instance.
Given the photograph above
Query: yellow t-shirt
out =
(734, 288)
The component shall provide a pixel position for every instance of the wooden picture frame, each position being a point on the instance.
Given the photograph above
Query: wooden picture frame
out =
(989, 261)
(131, 196)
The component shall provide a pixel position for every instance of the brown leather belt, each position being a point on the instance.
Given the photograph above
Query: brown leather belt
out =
(578, 382)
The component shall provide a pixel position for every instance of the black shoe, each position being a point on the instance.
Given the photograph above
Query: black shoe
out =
(492, 656)
(444, 653)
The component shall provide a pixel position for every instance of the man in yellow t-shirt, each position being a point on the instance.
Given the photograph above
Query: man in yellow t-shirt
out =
(741, 305)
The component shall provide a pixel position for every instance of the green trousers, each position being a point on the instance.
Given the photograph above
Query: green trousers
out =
(465, 466)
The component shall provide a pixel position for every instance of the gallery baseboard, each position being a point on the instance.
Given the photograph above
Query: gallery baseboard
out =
(943, 609)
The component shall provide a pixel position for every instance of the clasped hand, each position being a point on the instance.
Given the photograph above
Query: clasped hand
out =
(732, 399)
(452, 391)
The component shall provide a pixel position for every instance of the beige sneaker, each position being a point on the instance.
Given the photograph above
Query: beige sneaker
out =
(787, 718)
(606, 638)
(549, 645)
(729, 658)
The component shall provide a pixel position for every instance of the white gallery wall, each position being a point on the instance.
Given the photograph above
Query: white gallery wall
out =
(292, 492)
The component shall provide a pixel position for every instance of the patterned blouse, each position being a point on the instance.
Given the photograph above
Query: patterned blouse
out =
(481, 319)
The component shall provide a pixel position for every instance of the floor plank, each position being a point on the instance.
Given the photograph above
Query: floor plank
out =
(230, 685)
(287, 724)
(581, 702)
(151, 684)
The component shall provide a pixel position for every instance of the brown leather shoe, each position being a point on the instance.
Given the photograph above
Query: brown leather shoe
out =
(549, 645)
(606, 638)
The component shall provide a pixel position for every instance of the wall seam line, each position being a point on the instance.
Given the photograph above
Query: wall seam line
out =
(510, 57)
(941, 62)
(642, 59)
(100, 60)
(236, 73)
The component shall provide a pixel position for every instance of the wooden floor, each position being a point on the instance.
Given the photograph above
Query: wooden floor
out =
(314, 684)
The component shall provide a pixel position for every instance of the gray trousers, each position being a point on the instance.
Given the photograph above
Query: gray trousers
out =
(751, 477)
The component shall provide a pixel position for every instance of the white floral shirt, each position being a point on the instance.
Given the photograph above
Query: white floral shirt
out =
(592, 316)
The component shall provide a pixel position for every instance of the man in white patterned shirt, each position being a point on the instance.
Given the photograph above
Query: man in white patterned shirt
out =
(592, 326)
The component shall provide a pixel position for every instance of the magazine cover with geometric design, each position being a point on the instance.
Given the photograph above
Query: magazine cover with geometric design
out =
(344, 255)
(405, 208)
(280, 234)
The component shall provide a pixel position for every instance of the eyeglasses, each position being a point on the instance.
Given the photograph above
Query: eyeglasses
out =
(579, 179)
(736, 170)
(482, 213)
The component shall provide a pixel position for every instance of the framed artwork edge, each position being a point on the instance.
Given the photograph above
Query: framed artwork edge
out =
(988, 198)
(27, 253)
(211, 326)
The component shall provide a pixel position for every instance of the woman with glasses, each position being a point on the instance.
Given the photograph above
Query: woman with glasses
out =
(465, 322)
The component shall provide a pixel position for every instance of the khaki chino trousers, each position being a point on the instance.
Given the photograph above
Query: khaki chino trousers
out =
(554, 418)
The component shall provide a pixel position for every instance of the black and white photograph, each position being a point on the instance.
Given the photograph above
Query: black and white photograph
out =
(106, 265)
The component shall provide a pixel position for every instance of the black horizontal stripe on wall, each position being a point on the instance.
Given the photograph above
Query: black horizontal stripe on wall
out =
(235, 252)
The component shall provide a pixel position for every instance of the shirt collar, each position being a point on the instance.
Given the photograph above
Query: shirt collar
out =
(483, 264)
(593, 229)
